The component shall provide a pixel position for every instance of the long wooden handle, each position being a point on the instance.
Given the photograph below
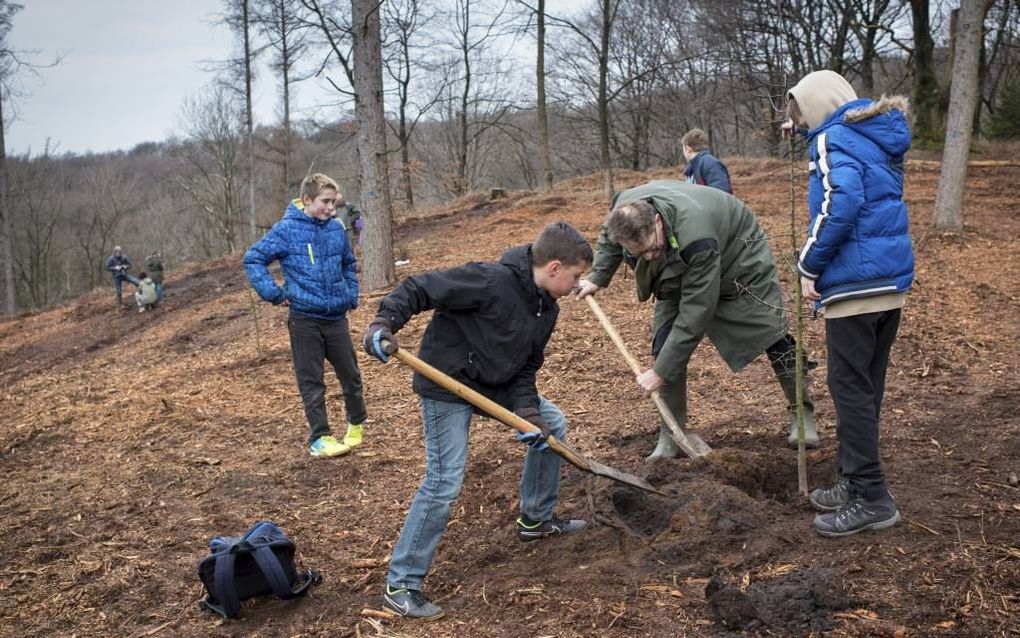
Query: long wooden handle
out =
(487, 405)
(679, 436)
(607, 325)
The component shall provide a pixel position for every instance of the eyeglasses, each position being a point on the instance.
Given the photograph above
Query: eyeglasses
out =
(654, 245)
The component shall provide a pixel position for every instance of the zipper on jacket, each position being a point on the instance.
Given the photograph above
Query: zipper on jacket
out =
(311, 255)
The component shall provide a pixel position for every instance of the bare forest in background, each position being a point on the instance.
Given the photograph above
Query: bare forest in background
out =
(623, 80)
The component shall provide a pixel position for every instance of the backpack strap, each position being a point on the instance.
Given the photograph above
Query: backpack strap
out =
(277, 578)
(273, 571)
(223, 585)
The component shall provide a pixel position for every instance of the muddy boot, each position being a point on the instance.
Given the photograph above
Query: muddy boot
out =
(789, 385)
(665, 448)
(674, 395)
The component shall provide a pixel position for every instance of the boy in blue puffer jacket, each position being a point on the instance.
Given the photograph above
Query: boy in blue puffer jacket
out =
(320, 286)
(856, 265)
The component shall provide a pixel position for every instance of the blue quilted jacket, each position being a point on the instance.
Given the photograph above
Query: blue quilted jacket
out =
(317, 264)
(858, 242)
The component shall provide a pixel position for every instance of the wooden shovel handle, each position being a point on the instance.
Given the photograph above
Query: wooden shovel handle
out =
(607, 325)
(486, 405)
(692, 445)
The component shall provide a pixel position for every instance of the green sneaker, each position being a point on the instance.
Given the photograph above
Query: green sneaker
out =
(354, 435)
(328, 446)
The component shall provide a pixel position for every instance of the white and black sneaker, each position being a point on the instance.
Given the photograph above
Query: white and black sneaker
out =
(410, 603)
(529, 530)
(830, 499)
(858, 515)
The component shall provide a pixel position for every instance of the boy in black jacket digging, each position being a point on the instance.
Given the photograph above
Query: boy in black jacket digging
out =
(489, 332)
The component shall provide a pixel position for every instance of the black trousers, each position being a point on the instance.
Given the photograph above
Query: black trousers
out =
(312, 342)
(858, 355)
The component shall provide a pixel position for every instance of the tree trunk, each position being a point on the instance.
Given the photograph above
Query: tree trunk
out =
(285, 63)
(462, 150)
(405, 158)
(11, 302)
(371, 136)
(926, 96)
(603, 103)
(252, 230)
(543, 115)
(402, 132)
(963, 99)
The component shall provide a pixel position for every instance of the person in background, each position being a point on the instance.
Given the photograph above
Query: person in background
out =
(145, 296)
(350, 218)
(118, 264)
(154, 266)
(703, 168)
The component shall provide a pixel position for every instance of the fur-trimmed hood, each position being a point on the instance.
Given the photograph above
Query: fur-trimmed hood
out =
(884, 104)
(883, 121)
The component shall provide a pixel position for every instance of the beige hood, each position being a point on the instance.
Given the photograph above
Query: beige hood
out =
(819, 94)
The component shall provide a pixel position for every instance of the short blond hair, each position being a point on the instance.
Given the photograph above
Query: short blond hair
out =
(695, 139)
(315, 183)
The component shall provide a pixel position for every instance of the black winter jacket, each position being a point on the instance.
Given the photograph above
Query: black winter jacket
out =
(489, 330)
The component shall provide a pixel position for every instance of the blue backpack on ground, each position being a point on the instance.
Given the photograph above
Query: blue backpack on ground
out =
(260, 562)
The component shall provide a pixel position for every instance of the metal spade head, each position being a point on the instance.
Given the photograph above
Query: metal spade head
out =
(588, 465)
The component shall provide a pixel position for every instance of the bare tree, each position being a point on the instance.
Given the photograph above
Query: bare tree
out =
(211, 159)
(107, 195)
(927, 94)
(237, 74)
(541, 108)
(403, 22)
(284, 30)
(11, 62)
(249, 119)
(370, 112)
(478, 104)
(36, 213)
(959, 126)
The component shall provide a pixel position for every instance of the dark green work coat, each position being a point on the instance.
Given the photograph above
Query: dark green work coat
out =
(716, 277)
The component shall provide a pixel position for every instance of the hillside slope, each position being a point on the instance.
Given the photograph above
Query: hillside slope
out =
(127, 440)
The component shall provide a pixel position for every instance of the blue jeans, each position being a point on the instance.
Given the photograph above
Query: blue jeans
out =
(118, 281)
(159, 293)
(446, 445)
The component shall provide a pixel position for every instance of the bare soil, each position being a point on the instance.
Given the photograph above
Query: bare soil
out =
(128, 440)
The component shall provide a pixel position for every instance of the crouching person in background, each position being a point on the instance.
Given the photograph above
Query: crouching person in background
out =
(146, 296)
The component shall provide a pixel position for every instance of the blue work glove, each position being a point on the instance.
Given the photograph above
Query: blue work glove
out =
(534, 440)
(378, 332)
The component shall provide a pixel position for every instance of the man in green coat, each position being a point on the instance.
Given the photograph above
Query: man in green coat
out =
(154, 266)
(701, 253)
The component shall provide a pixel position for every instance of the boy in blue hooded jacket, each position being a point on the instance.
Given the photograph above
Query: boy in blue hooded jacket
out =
(320, 286)
(856, 265)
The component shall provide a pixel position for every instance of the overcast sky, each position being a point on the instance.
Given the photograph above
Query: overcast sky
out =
(127, 67)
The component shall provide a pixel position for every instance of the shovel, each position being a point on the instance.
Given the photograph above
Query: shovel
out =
(500, 413)
(692, 444)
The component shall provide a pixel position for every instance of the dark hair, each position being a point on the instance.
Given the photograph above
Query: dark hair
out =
(143, 275)
(695, 139)
(631, 223)
(560, 241)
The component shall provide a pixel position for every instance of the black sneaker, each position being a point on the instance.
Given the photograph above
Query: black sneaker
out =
(410, 603)
(529, 530)
(858, 515)
(830, 499)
